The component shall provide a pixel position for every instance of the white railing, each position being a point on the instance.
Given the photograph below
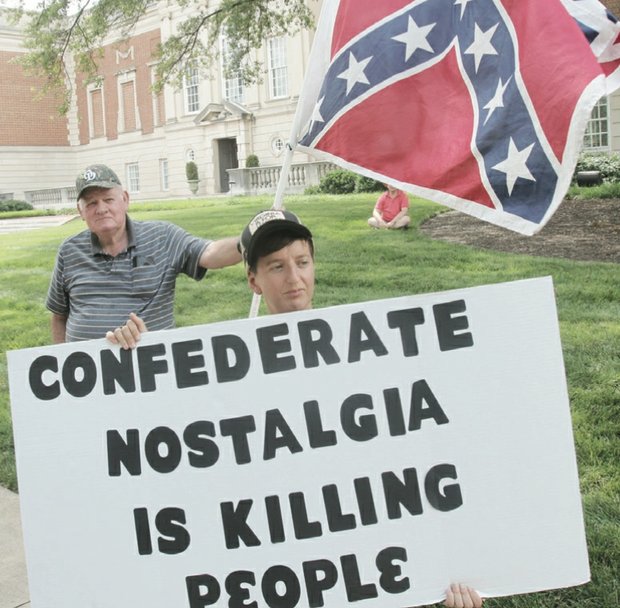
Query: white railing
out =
(51, 197)
(259, 180)
(254, 180)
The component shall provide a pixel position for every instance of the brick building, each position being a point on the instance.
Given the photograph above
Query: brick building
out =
(147, 138)
(34, 138)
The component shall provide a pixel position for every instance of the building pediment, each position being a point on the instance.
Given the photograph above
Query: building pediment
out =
(217, 112)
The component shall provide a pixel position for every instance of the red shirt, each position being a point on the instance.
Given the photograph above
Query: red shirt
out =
(390, 207)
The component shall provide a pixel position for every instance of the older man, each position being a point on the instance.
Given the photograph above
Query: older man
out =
(119, 266)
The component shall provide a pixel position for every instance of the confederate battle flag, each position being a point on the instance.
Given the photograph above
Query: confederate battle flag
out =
(479, 105)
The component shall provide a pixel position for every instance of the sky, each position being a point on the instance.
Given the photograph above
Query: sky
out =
(29, 4)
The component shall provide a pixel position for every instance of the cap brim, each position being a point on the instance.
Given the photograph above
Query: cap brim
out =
(103, 184)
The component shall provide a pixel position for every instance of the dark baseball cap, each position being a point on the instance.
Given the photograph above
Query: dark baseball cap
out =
(266, 223)
(98, 176)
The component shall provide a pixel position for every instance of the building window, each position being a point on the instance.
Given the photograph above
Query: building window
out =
(232, 85)
(163, 174)
(192, 94)
(278, 72)
(132, 171)
(128, 105)
(597, 131)
(96, 120)
(128, 118)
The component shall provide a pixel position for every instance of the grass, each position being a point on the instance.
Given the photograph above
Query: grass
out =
(355, 263)
(7, 215)
(604, 190)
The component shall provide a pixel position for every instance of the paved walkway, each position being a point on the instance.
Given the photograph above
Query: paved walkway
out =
(31, 223)
(13, 579)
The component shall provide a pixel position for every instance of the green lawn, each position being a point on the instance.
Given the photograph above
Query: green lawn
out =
(355, 263)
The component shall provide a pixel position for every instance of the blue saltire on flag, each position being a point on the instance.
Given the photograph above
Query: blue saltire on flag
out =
(480, 105)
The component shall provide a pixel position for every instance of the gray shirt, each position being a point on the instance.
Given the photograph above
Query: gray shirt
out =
(96, 292)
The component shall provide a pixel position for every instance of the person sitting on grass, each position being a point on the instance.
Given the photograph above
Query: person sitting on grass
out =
(391, 210)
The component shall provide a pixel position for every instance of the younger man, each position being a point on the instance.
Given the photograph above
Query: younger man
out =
(278, 252)
(391, 210)
(279, 255)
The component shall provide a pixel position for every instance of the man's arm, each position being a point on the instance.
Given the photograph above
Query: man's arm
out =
(220, 253)
(378, 215)
(59, 328)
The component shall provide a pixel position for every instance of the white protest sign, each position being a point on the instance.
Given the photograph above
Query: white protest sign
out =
(366, 454)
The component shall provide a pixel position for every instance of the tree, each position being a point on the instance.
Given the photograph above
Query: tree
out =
(63, 30)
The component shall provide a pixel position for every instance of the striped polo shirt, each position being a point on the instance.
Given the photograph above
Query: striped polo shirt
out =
(96, 291)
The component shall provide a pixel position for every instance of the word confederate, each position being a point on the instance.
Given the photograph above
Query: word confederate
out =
(231, 357)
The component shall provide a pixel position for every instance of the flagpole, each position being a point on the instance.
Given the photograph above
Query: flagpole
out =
(277, 204)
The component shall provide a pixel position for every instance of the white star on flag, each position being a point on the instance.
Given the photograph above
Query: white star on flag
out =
(415, 38)
(463, 4)
(316, 113)
(481, 45)
(355, 72)
(497, 101)
(515, 165)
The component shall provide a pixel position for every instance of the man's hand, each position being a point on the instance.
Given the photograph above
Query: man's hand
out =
(462, 596)
(129, 334)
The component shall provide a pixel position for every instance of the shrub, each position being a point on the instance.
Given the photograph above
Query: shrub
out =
(251, 161)
(339, 181)
(606, 190)
(191, 170)
(12, 205)
(367, 184)
(311, 190)
(607, 164)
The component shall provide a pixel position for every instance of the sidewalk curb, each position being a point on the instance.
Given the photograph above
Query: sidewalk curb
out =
(33, 223)
(13, 576)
